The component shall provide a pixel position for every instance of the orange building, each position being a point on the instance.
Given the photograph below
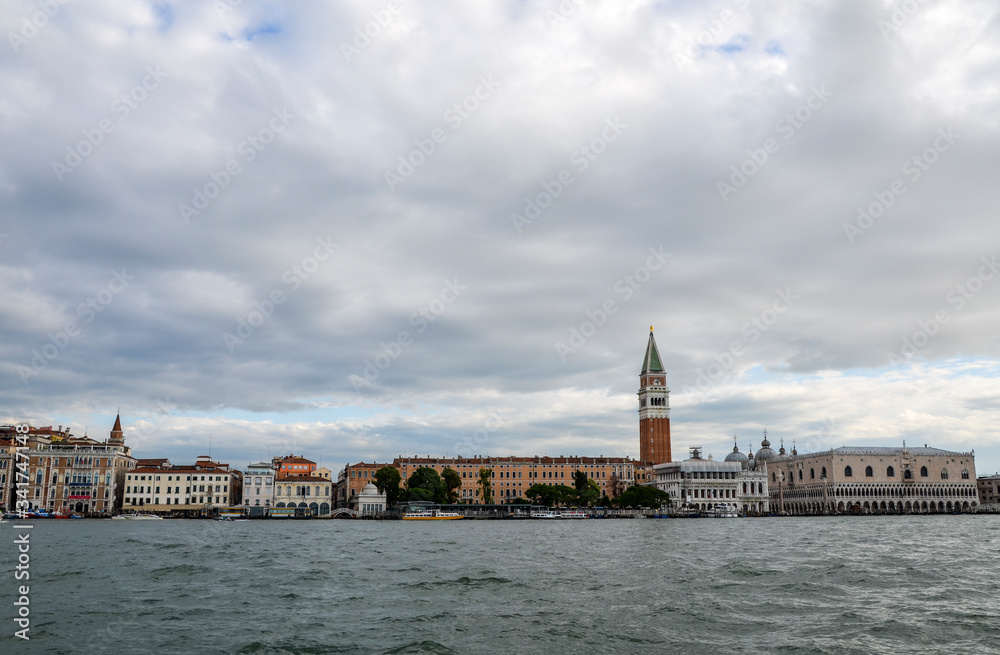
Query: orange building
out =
(510, 476)
(293, 466)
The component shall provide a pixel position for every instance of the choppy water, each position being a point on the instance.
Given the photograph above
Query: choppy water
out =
(792, 585)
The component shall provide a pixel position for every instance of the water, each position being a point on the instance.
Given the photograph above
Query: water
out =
(792, 585)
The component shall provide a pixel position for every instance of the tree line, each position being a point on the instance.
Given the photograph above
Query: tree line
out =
(426, 484)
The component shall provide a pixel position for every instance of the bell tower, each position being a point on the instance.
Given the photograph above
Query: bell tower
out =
(654, 407)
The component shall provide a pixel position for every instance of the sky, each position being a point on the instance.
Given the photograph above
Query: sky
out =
(359, 230)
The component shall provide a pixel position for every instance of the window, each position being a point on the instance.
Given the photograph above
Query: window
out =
(890, 472)
(944, 474)
(965, 474)
(869, 473)
(812, 474)
(907, 474)
(923, 471)
(822, 473)
(848, 473)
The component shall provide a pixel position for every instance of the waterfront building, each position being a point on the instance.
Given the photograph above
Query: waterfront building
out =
(203, 488)
(702, 483)
(258, 488)
(988, 487)
(68, 474)
(510, 476)
(369, 502)
(7, 472)
(292, 466)
(654, 407)
(871, 479)
(304, 491)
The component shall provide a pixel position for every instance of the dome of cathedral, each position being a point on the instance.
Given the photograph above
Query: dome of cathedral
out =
(736, 455)
(765, 454)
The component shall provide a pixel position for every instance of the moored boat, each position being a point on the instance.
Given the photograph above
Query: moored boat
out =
(138, 517)
(431, 515)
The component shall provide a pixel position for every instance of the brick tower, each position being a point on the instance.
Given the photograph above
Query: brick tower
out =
(654, 408)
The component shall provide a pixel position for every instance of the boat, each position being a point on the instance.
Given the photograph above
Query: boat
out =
(574, 514)
(431, 515)
(223, 518)
(545, 515)
(723, 511)
(137, 517)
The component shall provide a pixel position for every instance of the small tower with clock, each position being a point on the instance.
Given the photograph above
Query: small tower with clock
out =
(654, 407)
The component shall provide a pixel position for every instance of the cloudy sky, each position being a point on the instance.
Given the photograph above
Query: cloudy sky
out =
(354, 230)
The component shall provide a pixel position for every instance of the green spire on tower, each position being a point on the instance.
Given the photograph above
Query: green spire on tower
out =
(651, 362)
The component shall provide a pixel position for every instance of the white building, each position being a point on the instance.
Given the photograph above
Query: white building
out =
(369, 502)
(305, 491)
(702, 483)
(258, 488)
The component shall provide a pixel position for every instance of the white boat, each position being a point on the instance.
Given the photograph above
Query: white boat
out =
(724, 511)
(431, 515)
(137, 517)
(574, 514)
(545, 515)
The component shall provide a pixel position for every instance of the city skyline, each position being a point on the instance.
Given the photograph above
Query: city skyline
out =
(368, 230)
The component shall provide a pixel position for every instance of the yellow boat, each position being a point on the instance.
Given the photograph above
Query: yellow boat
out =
(431, 515)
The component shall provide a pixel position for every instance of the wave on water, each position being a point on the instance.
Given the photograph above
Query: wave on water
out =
(179, 569)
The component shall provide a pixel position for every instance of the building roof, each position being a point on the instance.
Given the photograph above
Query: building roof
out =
(301, 478)
(893, 451)
(651, 362)
(118, 423)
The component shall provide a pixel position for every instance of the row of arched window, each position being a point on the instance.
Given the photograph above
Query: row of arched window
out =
(890, 472)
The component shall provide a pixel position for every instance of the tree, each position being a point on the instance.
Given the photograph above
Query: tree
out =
(452, 483)
(643, 496)
(387, 480)
(580, 480)
(426, 484)
(486, 485)
(616, 485)
(589, 495)
(551, 494)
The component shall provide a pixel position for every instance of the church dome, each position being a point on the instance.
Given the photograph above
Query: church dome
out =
(765, 453)
(736, 455)
(370, 490)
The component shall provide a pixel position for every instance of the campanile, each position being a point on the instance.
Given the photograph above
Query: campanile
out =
(654, 407)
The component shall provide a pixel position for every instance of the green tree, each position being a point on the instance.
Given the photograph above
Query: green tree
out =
(589, 495)
(486, 485)
(452, 483)
(387, 481)
(551, 495)
(580, 480)
(643, 496)
(426, 484)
